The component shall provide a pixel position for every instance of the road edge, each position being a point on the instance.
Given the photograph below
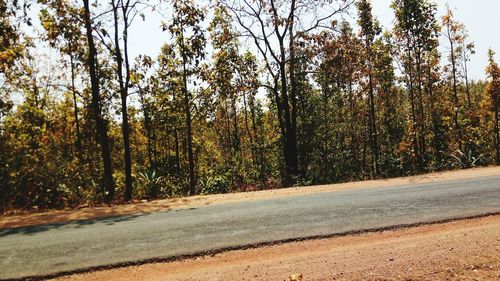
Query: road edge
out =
(66, 216)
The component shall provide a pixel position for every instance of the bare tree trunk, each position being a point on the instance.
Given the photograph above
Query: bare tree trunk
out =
(497, 135)
(293, 89)
(411, 90)
(421, 114)
(466, 76)
(177, 153)
(126, 126)
(260, 158)
(75, 108)
(290, 138)
(236, 139)
(147, 126)
(247, 128)
(187, 111)
(101, 126)
(124, 111)
(373, 123)
(436, 122)
(455, 89)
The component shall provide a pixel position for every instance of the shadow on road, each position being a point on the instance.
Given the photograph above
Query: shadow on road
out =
(31, 230)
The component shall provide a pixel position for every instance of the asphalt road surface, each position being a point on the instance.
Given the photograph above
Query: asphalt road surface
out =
(52, 248)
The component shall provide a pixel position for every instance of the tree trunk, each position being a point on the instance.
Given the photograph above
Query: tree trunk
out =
(126, 129)
(411, 90)
(354, 145)
(236, 139)
(372, 119)
(421, 113)
(326, 136)
(147, 126)
(75, 108)
(177, 153)
(436, 122)
(293, 90)
(290, 137)
(497, 135)
(123, 97)
(249, 133)
(281, 122)
(455, 90)
(187, 111)
(466, 76)
(101, 126)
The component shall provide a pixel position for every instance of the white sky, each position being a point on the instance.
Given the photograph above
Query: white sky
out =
(481, 18)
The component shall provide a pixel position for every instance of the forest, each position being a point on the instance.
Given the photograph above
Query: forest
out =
(244, 95)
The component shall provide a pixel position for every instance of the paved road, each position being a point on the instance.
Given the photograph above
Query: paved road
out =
(51, 248)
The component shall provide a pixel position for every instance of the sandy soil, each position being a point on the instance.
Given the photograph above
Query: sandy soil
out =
(460, 250)
(8, 221)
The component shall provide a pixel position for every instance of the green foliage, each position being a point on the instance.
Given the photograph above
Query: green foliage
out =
(299, 181)
(12, 44)
(150, 184)
(218, 125)
(465, 160)
(214, 184)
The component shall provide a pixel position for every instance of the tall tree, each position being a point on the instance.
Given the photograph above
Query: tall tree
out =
(100, 122)
(248, 83)
(454, 34)
(493, 71)
(272, 26)
(190, 43)
(370, 28)
(161, 96)
(124, 10)
(391, 103)
(11, 50)
(139, 78)
(468, 49)
(61, 22)
(416, 32)
(223, 79)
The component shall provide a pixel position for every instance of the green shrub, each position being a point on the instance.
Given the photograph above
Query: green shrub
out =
(214, 184)
(465, 160)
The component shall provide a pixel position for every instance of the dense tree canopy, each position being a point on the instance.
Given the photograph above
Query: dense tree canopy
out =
(245, 95)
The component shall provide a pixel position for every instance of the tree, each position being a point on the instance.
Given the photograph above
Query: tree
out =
(466, 119)
(11, 45)
(416, 33)
(454, 34)
(190, 43)
(12, 48)
(272, 25)
(100, 122)
(391, 106)
(289, 96)
(248, 83)
(493, 71)
(139, 78)
(370, 28)
(468, 49)
(63, 31)
(128, 11)
(223, 79)
(342, 111)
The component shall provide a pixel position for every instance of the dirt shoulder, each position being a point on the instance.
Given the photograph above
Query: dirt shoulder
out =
(460, 250)
(166, 204)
